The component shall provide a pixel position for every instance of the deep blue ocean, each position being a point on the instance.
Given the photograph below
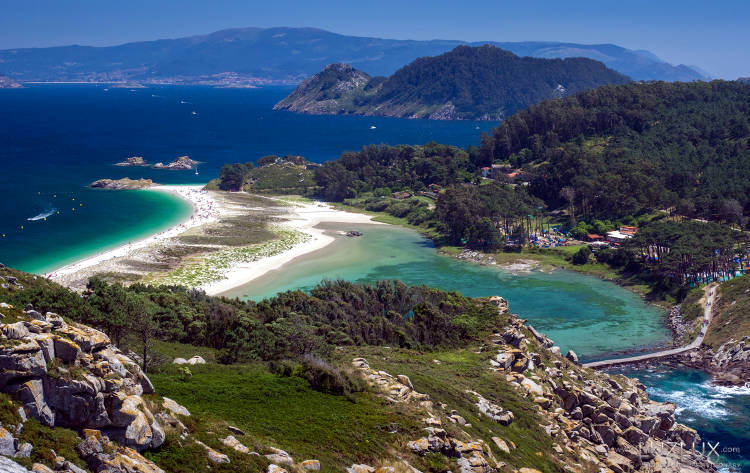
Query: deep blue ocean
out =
(56, 139)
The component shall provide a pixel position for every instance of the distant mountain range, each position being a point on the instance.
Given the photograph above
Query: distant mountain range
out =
(482, 82)
(285, 56)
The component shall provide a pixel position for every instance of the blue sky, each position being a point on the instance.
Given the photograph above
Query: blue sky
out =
(714, 35)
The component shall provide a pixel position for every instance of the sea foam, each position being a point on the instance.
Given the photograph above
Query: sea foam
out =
(42, 215)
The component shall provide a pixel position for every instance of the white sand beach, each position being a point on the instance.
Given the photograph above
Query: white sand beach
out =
(303, 217)
(205, 210)
(209, 208)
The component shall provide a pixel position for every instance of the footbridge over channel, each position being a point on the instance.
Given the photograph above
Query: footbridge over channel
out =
(710, 294)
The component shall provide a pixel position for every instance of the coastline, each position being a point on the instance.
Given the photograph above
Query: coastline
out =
(209, 210)
(205, 210)
(304, 219)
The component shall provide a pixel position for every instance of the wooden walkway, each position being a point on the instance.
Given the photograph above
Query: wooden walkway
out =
(707, 312)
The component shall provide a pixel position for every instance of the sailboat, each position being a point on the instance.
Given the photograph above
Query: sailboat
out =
(196, 169)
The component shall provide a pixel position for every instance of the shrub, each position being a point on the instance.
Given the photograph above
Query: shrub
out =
(328, 379)
(582, 256)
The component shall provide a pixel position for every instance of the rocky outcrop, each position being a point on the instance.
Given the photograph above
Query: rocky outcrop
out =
(729, 364)
(196, 360)
(596, 422)
(68, 374)
(182, 163)
(609, 421)
(472, 455)
(133, 161)
(102, 455)
(122, 184)
(326, 92)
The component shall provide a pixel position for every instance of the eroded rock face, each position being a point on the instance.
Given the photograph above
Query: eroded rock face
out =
(68, 374)
(729, 364)
(608, 421)
(104, 456)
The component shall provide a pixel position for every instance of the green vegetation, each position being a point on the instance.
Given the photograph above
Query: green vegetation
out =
(290, 325)
(464, 370)
(286, 412)
(628, 148)
(46, 440)
(689, 252)
(213, 267)
(466, 83)
(275, 174)
(731, 317)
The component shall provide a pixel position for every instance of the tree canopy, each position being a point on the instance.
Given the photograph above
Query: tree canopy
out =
(625, 148)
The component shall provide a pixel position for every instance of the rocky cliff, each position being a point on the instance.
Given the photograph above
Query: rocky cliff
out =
(68, 375)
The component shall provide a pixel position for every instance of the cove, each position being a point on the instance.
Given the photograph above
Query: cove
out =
(588, 315)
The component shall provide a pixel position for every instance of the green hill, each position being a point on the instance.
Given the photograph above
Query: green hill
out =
(623, 149)
(466, 83)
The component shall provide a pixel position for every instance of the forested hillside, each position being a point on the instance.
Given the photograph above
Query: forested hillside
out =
(466, 83)
(622, 149)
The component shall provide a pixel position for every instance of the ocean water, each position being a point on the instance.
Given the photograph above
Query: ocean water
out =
(582, 313)
(719, 414)
(56, 139)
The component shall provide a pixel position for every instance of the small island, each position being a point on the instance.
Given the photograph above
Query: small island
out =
(133, 161)
(181, 163)
(122, 184)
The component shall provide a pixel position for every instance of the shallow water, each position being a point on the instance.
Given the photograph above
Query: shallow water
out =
(578, 312)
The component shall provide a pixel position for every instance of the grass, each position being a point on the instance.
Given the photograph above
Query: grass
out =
(235, 231)
(383, 217)
(281, 178)
(214, 266)
(285, 412)
(731, 317)
(46, 440)
(692, 313)
(461, 370)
